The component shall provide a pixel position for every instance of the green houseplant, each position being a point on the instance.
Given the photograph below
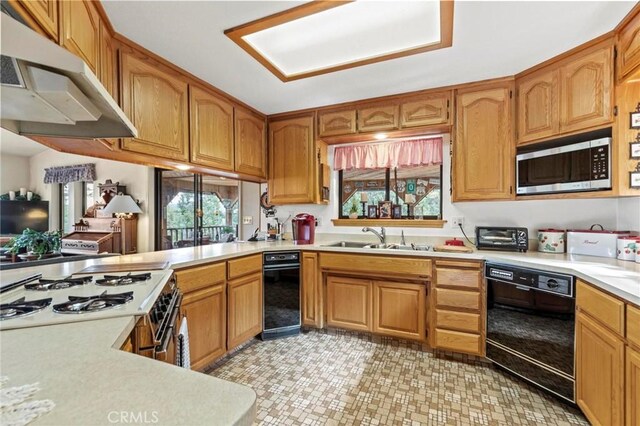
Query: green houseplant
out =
(353, 211)
(36, 243)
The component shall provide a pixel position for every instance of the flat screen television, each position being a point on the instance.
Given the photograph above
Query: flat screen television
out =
(16, 216)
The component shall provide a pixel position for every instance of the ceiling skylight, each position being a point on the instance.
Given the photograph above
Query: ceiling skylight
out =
(321, 37)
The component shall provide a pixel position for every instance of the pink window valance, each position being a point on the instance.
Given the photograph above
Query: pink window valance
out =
(405, 153)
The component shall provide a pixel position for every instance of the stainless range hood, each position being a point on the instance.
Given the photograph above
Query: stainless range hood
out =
(48, 91)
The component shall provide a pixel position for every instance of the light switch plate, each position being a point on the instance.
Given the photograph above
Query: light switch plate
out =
(247, 220)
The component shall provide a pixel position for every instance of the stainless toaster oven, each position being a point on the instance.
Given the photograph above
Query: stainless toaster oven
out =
(502, 238)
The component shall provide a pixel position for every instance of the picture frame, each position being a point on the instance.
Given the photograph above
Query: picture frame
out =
(634, 150)
(372, 211)
(384, 209)
(634, 180)
(634, 120)
(397, 211)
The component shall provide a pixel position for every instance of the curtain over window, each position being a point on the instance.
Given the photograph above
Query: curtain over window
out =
(66, 174)
(405, 153)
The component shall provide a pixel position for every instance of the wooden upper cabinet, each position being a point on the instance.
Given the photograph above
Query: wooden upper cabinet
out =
(108, 70)
(335, 123)
(482, 150)
(426, 110)
(211, 125)
(44, 13)
(81, 31)
(629, 47)
(250, 144)
(586, 91)
(156, 102)
(374, 118)
(292, 161)
(538, 111)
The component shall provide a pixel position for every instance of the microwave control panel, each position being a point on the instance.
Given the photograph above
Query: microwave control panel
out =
(599, 163)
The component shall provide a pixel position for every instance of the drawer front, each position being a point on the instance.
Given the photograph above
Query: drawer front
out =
(606, 309)
(201, 276)
(463, 278)
(458, 342)
(633, 325)
(376, 265)
(243, 266)
(461, 321)
(456, 299)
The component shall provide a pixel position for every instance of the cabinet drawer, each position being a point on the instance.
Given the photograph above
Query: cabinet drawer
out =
(376, 265)
(244, 266)
(201, 276)
(601, 306)
(464, 278)
(458, 342)
(462, 321)
(456, 299)
(633, 325)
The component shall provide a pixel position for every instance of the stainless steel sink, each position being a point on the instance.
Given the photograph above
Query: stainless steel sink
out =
(353, 244)
(348, 244)
(389, 247)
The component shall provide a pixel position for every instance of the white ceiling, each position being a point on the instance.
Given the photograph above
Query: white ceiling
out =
(490, 39)
(13, 144)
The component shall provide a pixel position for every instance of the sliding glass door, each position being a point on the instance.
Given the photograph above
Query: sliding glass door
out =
(194, 209)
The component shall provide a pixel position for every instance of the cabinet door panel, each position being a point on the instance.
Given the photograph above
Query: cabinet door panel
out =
(292, 159)
(349, 303)
(426, 110)
(206, 312)
(211, 124)
(157, 104)
(334, 123)
(633, 387)
(81, 31)
(629, 47)
(586, 91)
(43, 12)
(399, 309)
(378, 117)
(245, 309)
(250, 144)
(311, 303)
(482, 150)
(538, 115)
(108, 71)
(599, 372)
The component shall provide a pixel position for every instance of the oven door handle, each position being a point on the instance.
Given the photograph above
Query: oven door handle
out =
(281, 267)
(168, 334)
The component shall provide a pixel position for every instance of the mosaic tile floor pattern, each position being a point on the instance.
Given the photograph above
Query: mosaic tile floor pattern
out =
(341, 378)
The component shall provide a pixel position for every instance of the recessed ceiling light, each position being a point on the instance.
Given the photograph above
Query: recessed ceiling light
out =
(183, 167)
(326, 36)
(380, 136)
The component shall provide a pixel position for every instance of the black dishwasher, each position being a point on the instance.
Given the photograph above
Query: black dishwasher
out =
(281, 272)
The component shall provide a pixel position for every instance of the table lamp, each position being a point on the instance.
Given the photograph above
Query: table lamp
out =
(124, 207)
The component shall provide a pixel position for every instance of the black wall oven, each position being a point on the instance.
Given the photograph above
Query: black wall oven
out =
(281, 274)
(531, 326)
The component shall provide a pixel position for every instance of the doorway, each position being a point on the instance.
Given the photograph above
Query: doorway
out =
(194, 209)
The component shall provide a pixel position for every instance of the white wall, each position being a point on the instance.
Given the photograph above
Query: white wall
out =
(532, 214)
(14, 173)
(250, 206)
(138, 180)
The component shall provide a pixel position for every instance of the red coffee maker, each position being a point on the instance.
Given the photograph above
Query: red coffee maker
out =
(304, 228)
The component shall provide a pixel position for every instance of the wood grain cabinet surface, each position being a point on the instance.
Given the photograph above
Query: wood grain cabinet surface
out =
(42, 15)
(211, 129)
(335, 123)
(632, 391)
(538, 106)
(156, 101)
(483, 154)
(292, 161)
(349, 303)
(108, 59)
(425, 110)
(250, 144)
(376, 118)
(628, 43)
(245, 309)
(311, 291)
(399, 309)
(586, 91)
(80, 24)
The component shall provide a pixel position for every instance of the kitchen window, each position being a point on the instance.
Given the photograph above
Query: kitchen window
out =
(407, 173)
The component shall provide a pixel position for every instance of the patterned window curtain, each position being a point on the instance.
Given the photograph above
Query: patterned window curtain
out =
(66, 174)
(381, 155)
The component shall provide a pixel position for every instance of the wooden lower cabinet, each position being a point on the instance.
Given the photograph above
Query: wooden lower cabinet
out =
(599, 372)
(349, 303)
(206, 312)
(632, 387)
(399, 309)
(245, 309)
(311, 291)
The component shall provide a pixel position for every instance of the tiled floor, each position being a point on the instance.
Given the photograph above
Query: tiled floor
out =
(338, 377)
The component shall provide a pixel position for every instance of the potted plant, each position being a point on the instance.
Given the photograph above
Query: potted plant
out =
(37, 244)
(353, 211)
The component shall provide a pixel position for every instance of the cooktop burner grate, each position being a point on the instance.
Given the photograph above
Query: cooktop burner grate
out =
(21, 308)
(46, 284)
(117, 280)
(101, 302)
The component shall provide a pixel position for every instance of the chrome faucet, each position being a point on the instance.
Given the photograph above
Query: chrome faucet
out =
(403, 242)
(382, 235)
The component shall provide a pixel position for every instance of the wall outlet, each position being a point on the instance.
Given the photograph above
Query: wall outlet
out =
(247, 220)
(457, 222)
(318, 221)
